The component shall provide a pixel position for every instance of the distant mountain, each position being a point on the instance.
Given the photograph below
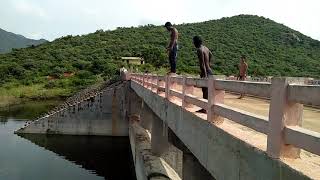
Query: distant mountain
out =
(10, 40)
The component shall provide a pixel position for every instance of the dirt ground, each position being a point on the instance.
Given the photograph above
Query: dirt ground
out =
(311, 116)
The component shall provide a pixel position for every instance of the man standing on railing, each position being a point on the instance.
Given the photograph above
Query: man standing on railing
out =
(243, 71)
(172, 48)
(204, 57)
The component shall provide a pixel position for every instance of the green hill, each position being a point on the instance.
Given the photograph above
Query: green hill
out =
(10, 40)
(272, 49)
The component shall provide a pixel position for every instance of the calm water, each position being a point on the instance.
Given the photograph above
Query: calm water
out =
(41, 157)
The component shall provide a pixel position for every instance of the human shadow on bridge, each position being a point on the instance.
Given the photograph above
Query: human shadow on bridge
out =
(109, 157)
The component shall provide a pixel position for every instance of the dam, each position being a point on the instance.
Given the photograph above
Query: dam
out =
(169, 140)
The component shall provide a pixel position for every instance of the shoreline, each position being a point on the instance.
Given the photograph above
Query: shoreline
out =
(7, 101)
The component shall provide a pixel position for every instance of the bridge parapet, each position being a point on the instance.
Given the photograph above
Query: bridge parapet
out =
(283, 126)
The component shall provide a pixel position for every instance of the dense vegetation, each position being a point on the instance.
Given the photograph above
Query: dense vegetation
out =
(272, 49)
(10, 40)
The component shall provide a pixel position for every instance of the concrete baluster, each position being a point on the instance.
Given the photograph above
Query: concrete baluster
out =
(214, 97)
(158, 84)
(146, 81)
(162, 84)
(186, 90)
(155, 82)
(168, 86)
(282, 113)
(149, 81)
(140, 79)
(143, 80)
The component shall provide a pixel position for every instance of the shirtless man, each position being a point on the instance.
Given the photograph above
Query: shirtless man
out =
(243, 69)
(204, 57)
(172, 48)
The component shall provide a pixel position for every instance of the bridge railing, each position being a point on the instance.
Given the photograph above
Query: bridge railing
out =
(285, 136)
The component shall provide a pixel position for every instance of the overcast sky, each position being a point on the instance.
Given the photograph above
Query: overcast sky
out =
(51, 19)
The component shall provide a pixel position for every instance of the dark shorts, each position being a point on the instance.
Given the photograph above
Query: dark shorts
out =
(173, 58)
(205, 89)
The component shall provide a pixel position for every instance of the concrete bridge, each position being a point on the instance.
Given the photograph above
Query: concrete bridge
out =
(169, 140)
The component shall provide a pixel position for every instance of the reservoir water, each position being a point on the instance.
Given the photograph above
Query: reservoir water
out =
(58, 157)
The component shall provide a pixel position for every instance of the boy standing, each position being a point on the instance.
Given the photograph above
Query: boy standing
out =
(243, 69)
(172, 48)
(204, 57)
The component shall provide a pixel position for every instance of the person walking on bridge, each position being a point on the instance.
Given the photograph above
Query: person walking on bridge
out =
(243, 71)
(172, 48)
(204, 57)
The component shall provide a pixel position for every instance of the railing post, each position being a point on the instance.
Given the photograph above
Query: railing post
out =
(282, 113)
(162, 83)
(147, 80)
(143, 79)
(154, 82)
(214, 97)
(186, 90)
(168, 87)
(150, 81)
(158, 84)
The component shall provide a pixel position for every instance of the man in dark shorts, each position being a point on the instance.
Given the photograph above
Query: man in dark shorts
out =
(243, 69)
(204, 57)
(172, 48)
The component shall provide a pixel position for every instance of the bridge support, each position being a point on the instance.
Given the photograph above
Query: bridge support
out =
(159, 136)
(135, 104)
(191, 167)
(146, 117)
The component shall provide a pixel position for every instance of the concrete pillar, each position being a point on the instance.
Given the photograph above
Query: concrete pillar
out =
(214, 97)
(135, 104)
(282, 113)
(186, 90)
(192, 169)
(159, 136)
(146, 117)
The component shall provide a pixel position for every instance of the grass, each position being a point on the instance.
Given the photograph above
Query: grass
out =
(8, 100)
(16, 94)
(36, 91)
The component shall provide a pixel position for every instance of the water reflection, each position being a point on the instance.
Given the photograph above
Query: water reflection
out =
(39, 157)
(109, 157)
(3, 120)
